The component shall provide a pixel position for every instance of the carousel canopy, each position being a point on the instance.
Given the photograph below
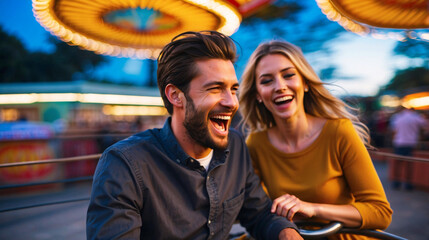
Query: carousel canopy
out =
(137, 28)
(398, 19)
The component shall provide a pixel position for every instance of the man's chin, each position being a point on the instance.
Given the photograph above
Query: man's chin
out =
(220, 148)
(221, 145)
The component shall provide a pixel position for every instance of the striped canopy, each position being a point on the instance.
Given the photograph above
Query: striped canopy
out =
(137, 28)
(397, 19)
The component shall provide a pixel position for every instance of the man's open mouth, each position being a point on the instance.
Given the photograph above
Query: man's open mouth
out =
(220, 122)
(283, 100)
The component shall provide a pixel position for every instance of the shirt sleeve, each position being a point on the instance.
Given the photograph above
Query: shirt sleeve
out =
(255, 214)
(364, 183)
(116, 198)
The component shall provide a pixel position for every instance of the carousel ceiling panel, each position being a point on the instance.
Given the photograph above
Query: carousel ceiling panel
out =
(399, 19)
(132, 28)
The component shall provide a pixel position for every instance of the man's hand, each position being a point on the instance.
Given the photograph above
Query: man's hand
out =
(289, 234)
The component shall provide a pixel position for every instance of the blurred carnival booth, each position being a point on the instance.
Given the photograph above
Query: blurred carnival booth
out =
(22, 142)
(67, 119)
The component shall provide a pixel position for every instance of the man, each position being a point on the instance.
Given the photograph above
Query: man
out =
(193, 178)
(406, 126)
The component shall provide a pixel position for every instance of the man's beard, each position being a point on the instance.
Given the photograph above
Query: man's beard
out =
(196, 124)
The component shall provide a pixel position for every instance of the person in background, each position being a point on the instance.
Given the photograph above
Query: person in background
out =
(306, 145)
(193, 178)
(406, 126)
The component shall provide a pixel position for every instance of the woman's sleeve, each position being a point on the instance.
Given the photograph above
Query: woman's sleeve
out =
(251, 143)
(364, 183)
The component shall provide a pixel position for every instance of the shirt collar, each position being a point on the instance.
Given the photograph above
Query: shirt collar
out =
(169, 141)
(177, 154)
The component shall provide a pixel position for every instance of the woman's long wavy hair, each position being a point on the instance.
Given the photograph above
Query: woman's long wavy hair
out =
(318, 101)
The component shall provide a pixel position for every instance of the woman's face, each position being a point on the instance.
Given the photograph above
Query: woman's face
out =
(280, 86)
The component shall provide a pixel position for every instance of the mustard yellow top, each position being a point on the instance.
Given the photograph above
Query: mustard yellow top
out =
(335, 169)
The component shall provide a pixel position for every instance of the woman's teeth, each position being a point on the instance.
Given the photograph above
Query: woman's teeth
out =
(283, 99)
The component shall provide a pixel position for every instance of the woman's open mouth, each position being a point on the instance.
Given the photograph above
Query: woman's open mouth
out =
(283, 100)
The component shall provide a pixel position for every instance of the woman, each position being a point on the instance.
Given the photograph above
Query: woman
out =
(307, 146)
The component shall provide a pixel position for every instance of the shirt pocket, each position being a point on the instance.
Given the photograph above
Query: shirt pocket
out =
(231, 208)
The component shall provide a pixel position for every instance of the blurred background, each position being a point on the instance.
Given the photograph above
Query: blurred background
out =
(77, 76)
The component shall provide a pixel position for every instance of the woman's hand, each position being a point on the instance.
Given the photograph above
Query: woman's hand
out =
(289, 205)
(292, 207)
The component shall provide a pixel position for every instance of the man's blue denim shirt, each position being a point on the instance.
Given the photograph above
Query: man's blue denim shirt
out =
(147, 187)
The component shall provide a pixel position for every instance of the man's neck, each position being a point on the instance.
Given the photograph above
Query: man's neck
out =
(189, 145)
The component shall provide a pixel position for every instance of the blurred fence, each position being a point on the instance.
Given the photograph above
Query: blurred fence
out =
(80, 154)
(85, 175)
(34, 160)
(87, 150)
(412, 169)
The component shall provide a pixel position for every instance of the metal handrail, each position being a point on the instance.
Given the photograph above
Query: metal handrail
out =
(337, 227)
(400, 157)
(325, 231)
(72, 136)
(372, 233)
(69, 180)
(44, 204)
(55, 160)
(58, 160)
(98, 155)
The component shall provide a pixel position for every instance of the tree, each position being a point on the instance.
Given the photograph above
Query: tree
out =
(12, 58)
(296, 21)
(78, 60)
(408, 79)
(414, 49)
(64, 64)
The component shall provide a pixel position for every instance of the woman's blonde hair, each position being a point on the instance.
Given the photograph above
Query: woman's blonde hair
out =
(318, 101)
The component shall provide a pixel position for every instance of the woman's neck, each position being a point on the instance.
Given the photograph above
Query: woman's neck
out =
(295, 134)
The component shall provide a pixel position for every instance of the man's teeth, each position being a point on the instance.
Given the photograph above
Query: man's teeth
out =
(220, 121)
(282, 99)
(220, 127)
(222, 117)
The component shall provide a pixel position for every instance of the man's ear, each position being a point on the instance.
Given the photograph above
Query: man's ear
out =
(174, 95)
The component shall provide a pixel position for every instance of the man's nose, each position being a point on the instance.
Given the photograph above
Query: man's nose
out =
(229, 100)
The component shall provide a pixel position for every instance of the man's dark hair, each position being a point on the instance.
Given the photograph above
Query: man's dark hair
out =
(176, 62)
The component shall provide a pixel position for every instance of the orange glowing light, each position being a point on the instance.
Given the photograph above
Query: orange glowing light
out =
(418, 101)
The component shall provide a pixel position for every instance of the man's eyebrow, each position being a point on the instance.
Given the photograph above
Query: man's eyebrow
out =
(219, 83)
(214, 83)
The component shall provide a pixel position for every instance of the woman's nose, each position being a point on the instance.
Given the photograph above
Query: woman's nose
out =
(280, 85)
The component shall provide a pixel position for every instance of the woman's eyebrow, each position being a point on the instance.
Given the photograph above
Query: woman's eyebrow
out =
(288, 68)
(282, 70)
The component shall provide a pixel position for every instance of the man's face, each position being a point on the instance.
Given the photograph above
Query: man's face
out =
(211, 103)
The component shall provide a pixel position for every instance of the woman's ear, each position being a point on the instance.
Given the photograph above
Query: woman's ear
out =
(174, 95)
(258, 98)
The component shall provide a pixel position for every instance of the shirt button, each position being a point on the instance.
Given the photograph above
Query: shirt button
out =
(210, 222)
